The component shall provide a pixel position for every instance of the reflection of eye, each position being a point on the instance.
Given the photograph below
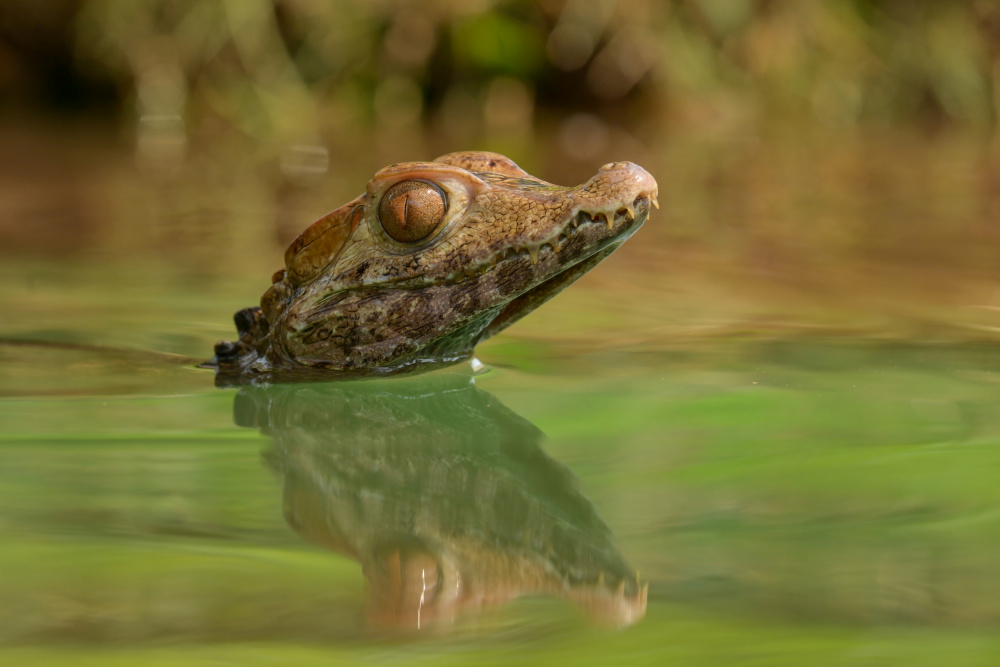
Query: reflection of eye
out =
(404, 576)
(411, 210)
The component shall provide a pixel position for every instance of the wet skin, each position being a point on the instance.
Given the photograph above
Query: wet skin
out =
(433, 258)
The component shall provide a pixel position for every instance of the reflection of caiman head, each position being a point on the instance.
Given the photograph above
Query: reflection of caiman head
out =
(442, 494)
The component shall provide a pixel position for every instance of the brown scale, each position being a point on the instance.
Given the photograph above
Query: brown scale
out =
(468, 243)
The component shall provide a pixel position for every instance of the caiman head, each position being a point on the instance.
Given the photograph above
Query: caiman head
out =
(433, 258)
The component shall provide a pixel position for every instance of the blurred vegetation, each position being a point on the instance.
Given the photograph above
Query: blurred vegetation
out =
(813, 156)
(301, 71)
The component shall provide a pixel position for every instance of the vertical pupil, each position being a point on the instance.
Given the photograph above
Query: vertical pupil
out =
(397, 206)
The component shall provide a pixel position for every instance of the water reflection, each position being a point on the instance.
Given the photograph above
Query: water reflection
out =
(442, 494)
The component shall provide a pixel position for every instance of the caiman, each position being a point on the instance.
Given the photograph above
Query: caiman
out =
(433, 258)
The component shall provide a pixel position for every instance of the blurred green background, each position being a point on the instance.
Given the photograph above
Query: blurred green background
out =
(831, 162)
(306, 70)
(780, 394)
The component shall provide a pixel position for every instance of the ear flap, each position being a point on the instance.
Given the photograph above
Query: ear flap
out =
(483, 161)
(316, 247)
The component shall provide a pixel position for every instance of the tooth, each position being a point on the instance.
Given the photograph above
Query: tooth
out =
(575, 223)
(631, 211)
(556, 244)
(653, 201)
(533, 251)
(611, 220)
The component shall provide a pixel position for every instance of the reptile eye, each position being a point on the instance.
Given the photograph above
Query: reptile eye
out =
(411, 210)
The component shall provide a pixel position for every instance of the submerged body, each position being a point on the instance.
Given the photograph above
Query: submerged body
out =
(433, 258)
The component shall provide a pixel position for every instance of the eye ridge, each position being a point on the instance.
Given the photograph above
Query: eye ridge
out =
(418, 218)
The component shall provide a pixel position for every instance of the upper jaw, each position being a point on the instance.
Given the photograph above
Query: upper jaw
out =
(616, 218)
(611, 198)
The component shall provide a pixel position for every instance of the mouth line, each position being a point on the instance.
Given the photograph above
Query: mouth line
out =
(619, 217)
(527, 301)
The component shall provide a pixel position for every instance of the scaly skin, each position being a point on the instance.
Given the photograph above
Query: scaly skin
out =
(352, 300)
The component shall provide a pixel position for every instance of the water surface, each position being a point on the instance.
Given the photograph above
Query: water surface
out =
(801, 470)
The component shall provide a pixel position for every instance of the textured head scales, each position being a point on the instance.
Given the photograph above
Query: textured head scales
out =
(432, 258)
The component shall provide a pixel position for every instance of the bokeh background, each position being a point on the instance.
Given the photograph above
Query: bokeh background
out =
(780, 394)
(828, 163)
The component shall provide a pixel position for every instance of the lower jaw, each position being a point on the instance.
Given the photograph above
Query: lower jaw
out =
(525, 303)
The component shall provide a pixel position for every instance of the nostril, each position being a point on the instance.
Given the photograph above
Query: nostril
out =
(611, 166)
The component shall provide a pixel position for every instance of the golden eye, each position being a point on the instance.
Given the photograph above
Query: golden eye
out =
(411, 210)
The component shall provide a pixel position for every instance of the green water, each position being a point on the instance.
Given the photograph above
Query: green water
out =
(777, 406)
(789, 500)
